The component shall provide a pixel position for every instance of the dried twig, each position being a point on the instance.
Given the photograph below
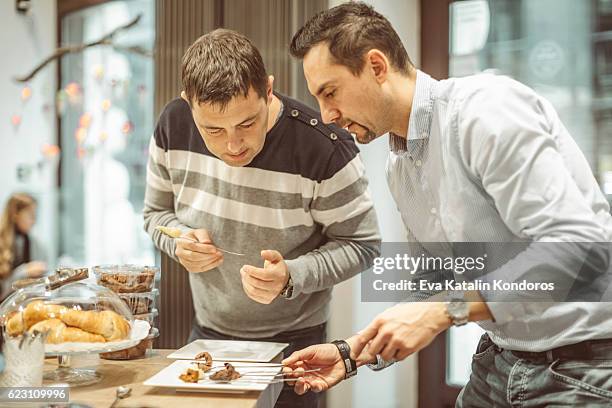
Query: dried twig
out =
(105, 40)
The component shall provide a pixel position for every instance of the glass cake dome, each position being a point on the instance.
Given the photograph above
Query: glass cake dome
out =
(73, 316)
(77, 312)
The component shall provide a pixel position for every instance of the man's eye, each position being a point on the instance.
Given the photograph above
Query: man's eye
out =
(213, 132)
(247, 125)
(330, 94)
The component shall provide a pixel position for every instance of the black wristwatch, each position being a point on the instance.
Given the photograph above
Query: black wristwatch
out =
(287, 291)
(345, 352)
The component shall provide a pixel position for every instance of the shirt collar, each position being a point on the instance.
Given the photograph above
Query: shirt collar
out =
(422, 107)
(420, 113)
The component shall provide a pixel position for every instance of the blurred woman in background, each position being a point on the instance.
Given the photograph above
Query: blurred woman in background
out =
(21, 255)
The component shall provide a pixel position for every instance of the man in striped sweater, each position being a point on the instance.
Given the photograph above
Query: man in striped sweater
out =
(238, 167)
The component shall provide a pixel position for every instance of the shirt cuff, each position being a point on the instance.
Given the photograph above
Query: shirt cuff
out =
(380, 364)
(298, 272)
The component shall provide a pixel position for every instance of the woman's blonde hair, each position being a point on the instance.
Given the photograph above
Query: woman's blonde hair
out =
(16, 203)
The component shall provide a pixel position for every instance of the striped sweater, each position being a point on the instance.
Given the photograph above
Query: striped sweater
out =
(305, 195)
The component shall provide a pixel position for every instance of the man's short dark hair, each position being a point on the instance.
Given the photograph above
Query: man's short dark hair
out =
(221, 65)
(350, 30)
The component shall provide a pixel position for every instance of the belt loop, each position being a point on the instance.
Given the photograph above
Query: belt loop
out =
(549, 356)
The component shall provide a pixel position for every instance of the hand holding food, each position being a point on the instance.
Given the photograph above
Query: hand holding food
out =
(199, 256)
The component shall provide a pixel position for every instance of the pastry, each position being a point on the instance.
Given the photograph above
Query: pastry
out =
(128, 283)
(138, 304)
(192, 374)
(58, 332)
(229, 373)
(53, 327)
(171, 232)
(204, 361)
(14, 325)
(34, 312)
(106, 323)
(38, 310)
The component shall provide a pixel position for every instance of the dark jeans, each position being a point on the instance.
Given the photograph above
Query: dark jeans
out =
(500, 378)
(297, 339)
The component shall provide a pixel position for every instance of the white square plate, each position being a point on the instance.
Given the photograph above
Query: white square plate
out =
(230, 350)
(169, 378)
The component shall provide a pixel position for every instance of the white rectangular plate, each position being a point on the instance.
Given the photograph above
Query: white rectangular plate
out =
(169, 378)
(230, 350)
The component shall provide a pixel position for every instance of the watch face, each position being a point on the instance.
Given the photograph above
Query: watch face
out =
(458, 309)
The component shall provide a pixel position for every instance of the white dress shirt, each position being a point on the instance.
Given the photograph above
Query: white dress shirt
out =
(488, 160)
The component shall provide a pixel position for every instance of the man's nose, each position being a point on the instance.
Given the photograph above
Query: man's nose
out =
(234, 144)
(330, 115)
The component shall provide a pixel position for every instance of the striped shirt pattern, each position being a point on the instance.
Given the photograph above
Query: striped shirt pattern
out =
(305, 194)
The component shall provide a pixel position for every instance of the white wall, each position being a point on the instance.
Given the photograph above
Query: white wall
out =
(395, 386)
(25, 41)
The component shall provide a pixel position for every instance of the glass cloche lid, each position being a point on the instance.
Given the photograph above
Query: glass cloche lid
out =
(82, 312)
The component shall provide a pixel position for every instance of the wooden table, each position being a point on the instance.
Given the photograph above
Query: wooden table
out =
(134, 372)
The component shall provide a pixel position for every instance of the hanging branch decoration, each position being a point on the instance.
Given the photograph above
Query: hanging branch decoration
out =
(26, 93)
(106, 105)
(99, 73)
(105, 40)
(127, 128)
(50, 151)
(74, 93)
(16, 121)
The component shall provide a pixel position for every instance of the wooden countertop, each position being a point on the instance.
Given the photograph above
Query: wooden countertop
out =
(134, 372)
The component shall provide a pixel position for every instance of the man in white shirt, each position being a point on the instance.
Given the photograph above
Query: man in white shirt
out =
(476, 159)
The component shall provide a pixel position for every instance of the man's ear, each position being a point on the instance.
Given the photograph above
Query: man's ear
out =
(270, 90)
(378, 64)
(184, 96)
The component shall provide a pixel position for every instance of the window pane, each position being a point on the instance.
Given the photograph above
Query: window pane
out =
(461, 345)
(107, 119)
(560, 48)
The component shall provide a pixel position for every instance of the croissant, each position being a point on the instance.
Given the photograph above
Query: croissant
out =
(38, 310)
(58, 332)
(14, 326)
(33, 313)
(76, 334)
(106, 323)
(53, 328)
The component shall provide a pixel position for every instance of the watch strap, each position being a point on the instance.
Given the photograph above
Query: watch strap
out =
(345, 352)
(287, 290)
